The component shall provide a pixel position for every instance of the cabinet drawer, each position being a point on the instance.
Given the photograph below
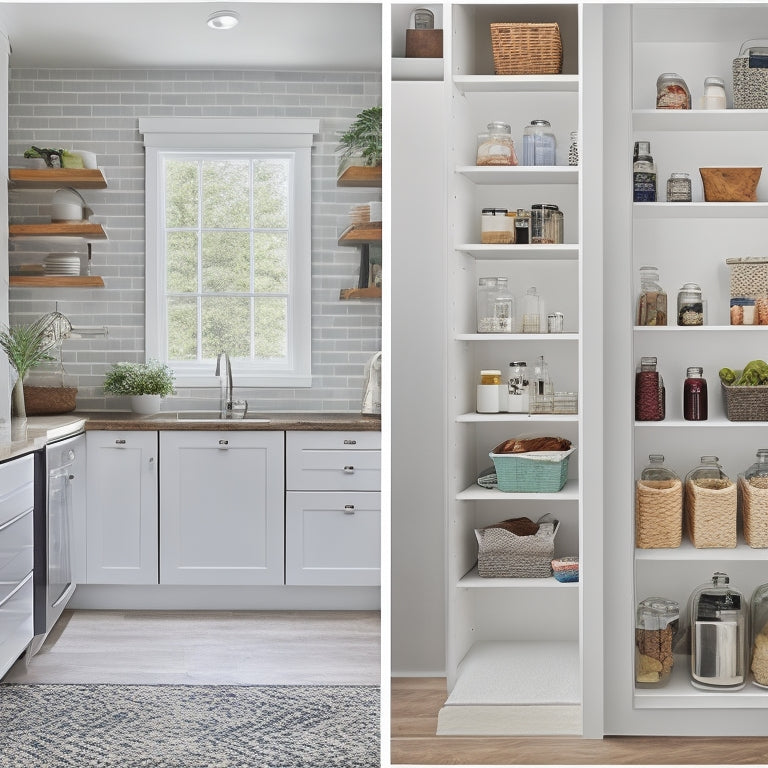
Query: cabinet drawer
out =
(16, 552)
(332, 539)
(16, 624)
(333, 461)
(17, 493)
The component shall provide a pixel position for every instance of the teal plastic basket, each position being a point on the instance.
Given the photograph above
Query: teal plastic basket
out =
(522, 473)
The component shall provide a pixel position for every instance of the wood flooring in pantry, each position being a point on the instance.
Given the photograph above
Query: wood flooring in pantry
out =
(416, 702)
(208, 648)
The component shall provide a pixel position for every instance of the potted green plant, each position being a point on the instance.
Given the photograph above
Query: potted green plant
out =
(145, 383)
(363, 138)
(26, 346)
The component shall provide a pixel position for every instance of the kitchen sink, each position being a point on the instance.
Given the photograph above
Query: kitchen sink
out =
(215, 416)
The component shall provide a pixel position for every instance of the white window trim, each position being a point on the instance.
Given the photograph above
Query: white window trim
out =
(219, 135)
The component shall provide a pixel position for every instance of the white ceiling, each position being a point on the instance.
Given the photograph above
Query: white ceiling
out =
(284, 35)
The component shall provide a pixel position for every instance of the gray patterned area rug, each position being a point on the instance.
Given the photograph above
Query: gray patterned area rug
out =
(189, 726)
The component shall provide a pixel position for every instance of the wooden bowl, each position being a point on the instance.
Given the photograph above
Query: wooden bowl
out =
(730, 184)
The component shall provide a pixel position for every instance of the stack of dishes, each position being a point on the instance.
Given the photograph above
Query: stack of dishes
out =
(62, 264)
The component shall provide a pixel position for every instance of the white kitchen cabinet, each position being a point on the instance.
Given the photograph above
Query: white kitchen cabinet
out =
(688, 242)
(122, 521)
(333, 508)
(16, 559)
(221, 501)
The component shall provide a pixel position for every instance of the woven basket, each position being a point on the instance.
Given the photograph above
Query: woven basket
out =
(526, 48)
(753, 502)
(746, 403)
(502, 554)
(532, 472)
(41, 401)
(710, 513)
(658, 514)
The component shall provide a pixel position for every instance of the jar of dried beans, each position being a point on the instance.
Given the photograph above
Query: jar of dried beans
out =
(656, 628)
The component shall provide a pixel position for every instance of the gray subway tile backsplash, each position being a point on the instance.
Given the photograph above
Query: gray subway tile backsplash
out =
(98, 110)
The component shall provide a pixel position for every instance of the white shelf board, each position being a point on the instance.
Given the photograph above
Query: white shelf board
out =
(714, 423)
(557, 252)
(517, 337)
(686, 551)
(475, 492)
(417, 69)
(472, 580)
(699, 328)
(524, 418)
(517, 83)
(700, 210)
(521, 174)
(680, 694)
(700, 120)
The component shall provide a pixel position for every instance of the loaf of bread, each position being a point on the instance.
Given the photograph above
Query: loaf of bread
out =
(523, 445)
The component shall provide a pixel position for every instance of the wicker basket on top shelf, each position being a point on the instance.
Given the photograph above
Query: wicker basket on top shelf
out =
(526, 48)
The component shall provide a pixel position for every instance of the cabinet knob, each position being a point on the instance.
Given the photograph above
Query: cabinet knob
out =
(350, 442)
(223, 443)
(120, 442)
(349, 509)
(349, 469)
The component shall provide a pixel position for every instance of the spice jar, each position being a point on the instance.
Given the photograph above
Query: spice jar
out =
(496, 226)
(679, 188)
(496, 147)
(652, 304)
(523, 227)
(695, 401)
(488, 391)
(714, 93)
(495, 306)
(672, 92)
(650, 395)
(539, 143)
(718, 615)
(690, 307)
(518, 387)
(573, 148)
(657, 622)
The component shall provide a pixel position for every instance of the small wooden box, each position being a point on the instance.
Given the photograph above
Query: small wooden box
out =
(423, 43)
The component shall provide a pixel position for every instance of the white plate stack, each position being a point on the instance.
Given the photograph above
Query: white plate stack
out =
(63, 264)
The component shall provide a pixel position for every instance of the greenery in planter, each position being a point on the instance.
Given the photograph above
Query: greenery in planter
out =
(150, 378)
(26, 347)
(363, 137)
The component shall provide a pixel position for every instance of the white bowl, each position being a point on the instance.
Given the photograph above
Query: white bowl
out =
(67, 205)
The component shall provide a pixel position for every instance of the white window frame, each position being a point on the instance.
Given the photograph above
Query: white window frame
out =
(165, 136)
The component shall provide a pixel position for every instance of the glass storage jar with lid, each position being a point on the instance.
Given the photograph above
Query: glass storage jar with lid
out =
(539, 143)
(672, 92)
(652, 303)
(544, 223)
(658, 506)
(679, 187)
(495, 306)
(657, 622)
(759, 622)
(496, 147)
(708, 474)
(650, 394)
(496, 227)
(718, 617)
(531, 312)
(690, 305)
(714, 93)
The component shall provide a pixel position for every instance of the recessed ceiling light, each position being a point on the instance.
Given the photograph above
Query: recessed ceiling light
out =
(223, 20)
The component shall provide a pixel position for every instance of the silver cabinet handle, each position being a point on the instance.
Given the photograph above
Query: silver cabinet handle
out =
(349, 469)
(119, 442)
(349, 509)
(350, 442)
(223, 443)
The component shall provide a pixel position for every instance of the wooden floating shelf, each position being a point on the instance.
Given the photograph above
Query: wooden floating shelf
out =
(55, 281)
(360, 176)
(361, 234)
(347, 294)
(61, 229)
(44, 178)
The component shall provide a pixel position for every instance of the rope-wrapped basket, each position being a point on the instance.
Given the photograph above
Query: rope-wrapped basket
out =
(658, 514)
(710, 512)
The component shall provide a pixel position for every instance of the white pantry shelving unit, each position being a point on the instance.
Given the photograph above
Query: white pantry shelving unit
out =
(517, 661)
(687, 242)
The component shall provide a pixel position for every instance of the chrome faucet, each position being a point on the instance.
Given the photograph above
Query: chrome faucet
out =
(225, 386)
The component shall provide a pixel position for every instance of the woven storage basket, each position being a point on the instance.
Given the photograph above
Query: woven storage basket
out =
(746, 403)
(502, 554)
(753, 502)
(532, 472)
(526, 48)
(750, 84)
(40, 401)
(710, 513)
(658, 514)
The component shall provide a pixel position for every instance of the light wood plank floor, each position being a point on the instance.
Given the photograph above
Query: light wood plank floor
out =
(208, 648)
(416, 702)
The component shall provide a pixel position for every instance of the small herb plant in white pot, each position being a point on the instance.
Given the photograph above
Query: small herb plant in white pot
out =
(145, 383)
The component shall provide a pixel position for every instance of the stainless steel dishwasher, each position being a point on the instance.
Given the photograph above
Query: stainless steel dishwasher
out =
(59, 487)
